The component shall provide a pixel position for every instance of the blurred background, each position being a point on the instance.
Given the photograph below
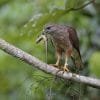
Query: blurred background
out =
(21, 21)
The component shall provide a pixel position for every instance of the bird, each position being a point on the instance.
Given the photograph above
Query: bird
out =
(66, 43)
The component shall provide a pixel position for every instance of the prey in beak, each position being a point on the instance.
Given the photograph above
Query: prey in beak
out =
(42, 37)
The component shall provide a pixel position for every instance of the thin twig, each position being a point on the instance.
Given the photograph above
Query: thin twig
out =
(80, 7)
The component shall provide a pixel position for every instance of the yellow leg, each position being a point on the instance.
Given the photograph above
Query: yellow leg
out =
(57, 62)
(65, 68)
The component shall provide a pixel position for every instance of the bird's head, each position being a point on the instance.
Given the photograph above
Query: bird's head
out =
(48, 31)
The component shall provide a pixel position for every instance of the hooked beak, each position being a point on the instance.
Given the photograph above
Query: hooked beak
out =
(40, 38)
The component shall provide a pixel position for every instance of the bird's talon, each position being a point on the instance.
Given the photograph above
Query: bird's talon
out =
(65, 69)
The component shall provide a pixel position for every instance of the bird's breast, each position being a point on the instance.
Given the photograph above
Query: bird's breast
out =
(61, 43)
(61, 40)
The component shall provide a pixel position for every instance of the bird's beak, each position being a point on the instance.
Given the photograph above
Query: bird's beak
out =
(40, 38)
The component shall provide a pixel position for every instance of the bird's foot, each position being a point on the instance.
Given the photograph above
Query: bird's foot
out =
(65, 69)
(57, 66)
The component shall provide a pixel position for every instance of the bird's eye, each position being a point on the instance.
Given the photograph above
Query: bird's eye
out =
(48, 27)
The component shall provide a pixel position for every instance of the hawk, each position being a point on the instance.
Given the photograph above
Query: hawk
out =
(65, 41)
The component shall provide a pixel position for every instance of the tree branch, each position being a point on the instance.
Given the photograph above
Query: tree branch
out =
(80, 7)
(31, 60)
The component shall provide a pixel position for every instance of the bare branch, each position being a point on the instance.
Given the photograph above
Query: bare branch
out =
(80, 7)
(31, 60)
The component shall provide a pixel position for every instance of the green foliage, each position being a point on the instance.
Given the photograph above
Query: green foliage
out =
(21, 21)
(74, 3)
(94, 64)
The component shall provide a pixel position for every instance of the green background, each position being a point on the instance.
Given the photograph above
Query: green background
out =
(21, 21)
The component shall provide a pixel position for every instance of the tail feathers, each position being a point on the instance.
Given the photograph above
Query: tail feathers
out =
(78, 63)
(77, 60)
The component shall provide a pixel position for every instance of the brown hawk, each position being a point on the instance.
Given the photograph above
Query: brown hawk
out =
(65, 41)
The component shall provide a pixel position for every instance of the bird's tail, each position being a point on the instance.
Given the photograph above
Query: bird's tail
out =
(78, 60)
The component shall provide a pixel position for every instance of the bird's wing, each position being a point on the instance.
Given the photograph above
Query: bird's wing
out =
(74, 39)
(75, 43)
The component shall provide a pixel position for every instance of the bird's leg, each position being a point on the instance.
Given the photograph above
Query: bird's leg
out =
(67, 55)
(65, 68)
(58, 60)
